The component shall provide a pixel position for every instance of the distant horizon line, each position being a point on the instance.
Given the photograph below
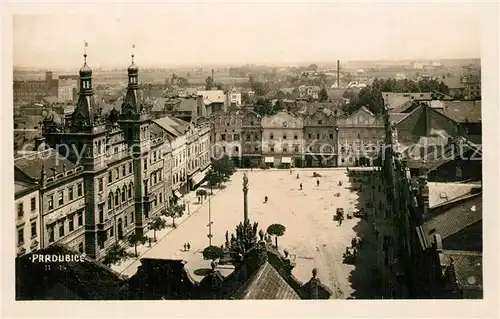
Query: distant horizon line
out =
(271, 64)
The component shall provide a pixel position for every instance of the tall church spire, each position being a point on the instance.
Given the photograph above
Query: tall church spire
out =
(84, 111)
(132, 103)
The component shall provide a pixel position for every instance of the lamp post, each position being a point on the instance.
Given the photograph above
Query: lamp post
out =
(210, 222)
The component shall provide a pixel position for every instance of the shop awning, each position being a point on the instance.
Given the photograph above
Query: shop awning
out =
(177, 194)
(269, 160)
(286, 160)
(198, 177)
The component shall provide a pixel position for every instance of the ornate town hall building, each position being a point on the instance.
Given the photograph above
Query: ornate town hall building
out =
(119, 166)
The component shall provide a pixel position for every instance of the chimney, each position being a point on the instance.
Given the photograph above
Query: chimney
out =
(40, 143)
(338, 73)
(313, 294)
(42, 176)
(423, 197)
(213, 76)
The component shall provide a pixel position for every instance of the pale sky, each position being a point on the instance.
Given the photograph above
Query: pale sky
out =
(238, 33)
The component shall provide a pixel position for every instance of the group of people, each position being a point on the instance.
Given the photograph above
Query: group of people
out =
(187, 246)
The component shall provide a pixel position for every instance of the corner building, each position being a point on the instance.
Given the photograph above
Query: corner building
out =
(126, 166)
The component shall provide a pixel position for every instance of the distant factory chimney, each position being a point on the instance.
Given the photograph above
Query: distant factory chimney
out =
(338, 73)
(213, 77)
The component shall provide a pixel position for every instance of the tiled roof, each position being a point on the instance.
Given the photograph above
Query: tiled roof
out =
(453, 82)
(287, 90)
(31, 165)
(158, 104)
(215, 96)
(266, 284)
(468, 268)
(397, 117)
(188, 104)
(172, 125)
(396, 100)
(440, 193)
(336, 93)
(465, 213)
(311, 108)
(462, 111)
(437, 156)
(22, 187)
(88, 280)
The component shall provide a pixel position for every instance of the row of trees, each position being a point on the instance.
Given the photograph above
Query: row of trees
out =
(220, 171)
(117, 252)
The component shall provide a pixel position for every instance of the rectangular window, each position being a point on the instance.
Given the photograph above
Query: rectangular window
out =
(285, 150)
(223, 137)
(318, 136)
(110, 177)
(224, 149)
(51, 234)
(161, 197)
(71, 223)
(61, 198)
(33, 204)
(296, 149)
(271, 136)
(117, 173)
(101, 214)
(320, 122)
(236, 137)
(249, 137)
(331, 136)
(295, 137)
(61, 230)
(145, 161)
(100, 184)
(51, 202)
(256, 149)
(20, 236)
(111, 232)
(130, 168)
(124, 170)
(284, 136)
(80, 190)
(271, 149)
(33, 229)
(20, 210)
(80, 219)
(70, 193)
(309, 135)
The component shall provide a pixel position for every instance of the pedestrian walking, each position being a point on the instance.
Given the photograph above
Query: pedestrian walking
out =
(291, 171)
(265, 199)
(188, 246)
(300, 186)
(317, 182)
(185, 246)
(149, 239)
(297, 175)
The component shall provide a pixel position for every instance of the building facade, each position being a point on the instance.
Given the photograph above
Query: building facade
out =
(226, 135)
(360, 138)
(282, 140)
(27, 205)
(67, 90)
(320, 138)
(251, 135)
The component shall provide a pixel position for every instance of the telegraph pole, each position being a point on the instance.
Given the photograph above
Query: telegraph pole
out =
(210, 222)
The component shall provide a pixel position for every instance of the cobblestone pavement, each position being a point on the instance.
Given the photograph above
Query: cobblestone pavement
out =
(311, 234)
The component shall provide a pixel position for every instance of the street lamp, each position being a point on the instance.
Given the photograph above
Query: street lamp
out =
(210, 222)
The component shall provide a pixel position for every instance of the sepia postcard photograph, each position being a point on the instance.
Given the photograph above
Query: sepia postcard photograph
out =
(202, 151)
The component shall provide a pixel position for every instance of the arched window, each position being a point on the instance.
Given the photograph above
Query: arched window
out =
(130, 188)
(124, 193)
(117, 197)
(110, 201)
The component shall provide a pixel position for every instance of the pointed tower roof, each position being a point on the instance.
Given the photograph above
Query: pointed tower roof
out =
(85, 70)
